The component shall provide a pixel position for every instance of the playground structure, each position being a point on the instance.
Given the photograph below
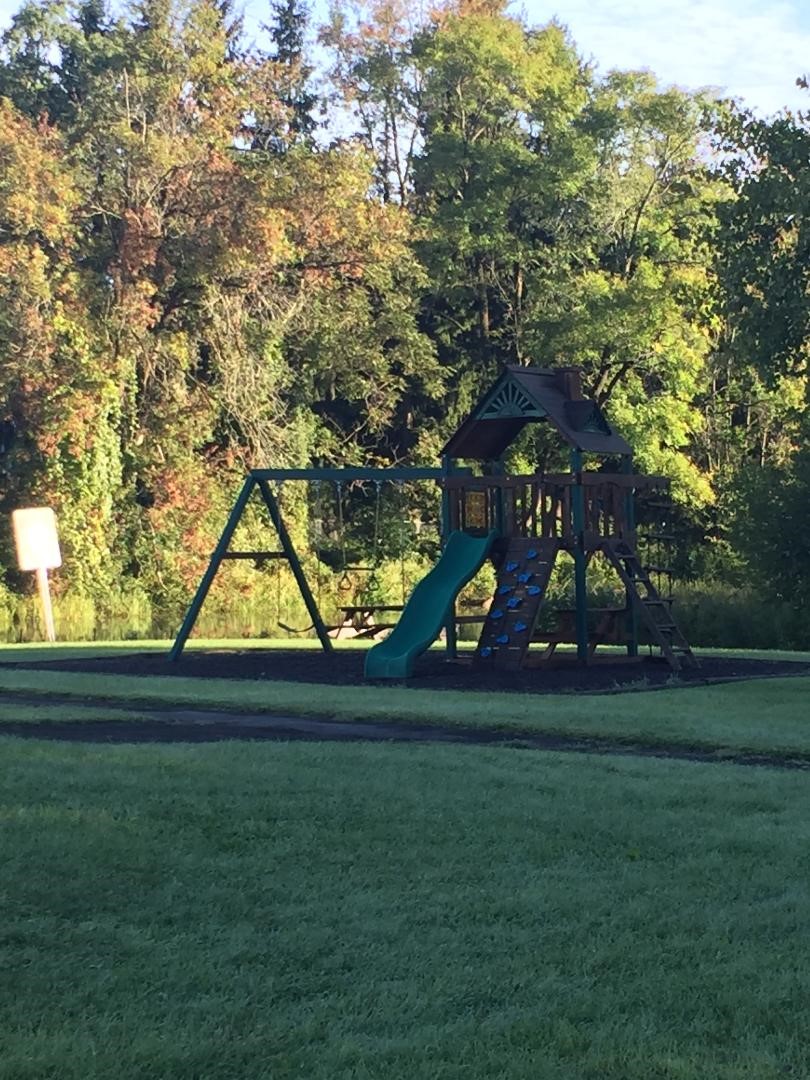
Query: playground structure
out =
(521, 523)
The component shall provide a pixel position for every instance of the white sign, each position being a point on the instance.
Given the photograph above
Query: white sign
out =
(36, 538)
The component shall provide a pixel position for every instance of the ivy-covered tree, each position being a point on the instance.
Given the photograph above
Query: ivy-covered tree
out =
(249, 310)
(54, 383)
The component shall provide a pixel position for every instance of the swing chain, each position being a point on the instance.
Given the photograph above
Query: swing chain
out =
(375, 551)
(344, 583)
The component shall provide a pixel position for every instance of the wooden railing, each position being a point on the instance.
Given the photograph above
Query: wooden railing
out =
(542, 505)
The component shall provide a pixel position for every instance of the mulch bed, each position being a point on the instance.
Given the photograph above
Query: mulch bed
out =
(433, 671)
(208, 727)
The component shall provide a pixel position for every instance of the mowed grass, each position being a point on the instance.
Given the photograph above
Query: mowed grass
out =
(397, 913)
(22, 652)
(32, 652)
(769, 715)
(48, 712)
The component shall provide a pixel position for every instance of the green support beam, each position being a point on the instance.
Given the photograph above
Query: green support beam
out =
(211, 572)
(261, 478)
(347, 475)
(295, 564)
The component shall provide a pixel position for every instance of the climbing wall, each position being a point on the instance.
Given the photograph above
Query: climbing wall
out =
(522, 582)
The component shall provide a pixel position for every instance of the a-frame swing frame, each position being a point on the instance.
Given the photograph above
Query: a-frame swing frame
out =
(260, 479)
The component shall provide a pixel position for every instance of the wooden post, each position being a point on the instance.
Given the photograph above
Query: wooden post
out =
(630, 523)
(45, 602)
(580, 565)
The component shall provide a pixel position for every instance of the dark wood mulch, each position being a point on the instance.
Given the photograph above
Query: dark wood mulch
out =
(434, 671)
(207, 726)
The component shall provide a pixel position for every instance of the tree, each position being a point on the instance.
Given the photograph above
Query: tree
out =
(499, 150)
(766, 242)
(634, 304)
(566, 219)
(375, 76)
(771, 527)
(285, 115)
(53, 381)
(221, 346)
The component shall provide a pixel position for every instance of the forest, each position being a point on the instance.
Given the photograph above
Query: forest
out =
(216, 255)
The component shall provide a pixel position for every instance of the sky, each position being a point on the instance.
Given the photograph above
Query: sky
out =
(749, 49)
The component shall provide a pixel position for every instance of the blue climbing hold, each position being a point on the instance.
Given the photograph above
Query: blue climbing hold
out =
(510, 566)
(524, 579)
(531, 553)
(534, 590)
(520, 627)
(486, 651)
(513, 602)
(502, 639)
(496, 614)
(505, 590)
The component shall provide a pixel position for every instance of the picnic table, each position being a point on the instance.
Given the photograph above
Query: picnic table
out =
(360, 620)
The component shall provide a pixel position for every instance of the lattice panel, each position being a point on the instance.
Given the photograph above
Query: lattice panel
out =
(510, 401)
(596, 424)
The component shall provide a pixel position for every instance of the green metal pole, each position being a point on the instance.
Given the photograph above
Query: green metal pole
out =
(213, 566)
(450, 636)
(295, 565)
(630, 515)
(580, 564)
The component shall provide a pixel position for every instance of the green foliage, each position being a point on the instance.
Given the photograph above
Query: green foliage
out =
(771, 527)
(152, 343)
(196, 279)
(766, 232)
(294, 102)
(717, 614)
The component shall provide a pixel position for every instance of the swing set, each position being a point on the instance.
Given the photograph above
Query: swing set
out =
(359, 620)
(522, 524)
(359, 617)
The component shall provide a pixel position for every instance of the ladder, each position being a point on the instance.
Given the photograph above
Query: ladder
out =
(654, 612)
(523, 578)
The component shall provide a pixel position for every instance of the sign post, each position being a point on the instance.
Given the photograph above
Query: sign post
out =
(37, 544)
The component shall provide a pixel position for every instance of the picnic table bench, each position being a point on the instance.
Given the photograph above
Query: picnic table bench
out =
(360, 619)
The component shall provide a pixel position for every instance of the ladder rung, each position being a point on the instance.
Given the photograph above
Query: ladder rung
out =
(254, 555)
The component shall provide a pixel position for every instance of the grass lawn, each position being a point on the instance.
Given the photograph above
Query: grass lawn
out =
(765, 715)
(332, 912)
(25, 713)
(17, 652)
(20, 652)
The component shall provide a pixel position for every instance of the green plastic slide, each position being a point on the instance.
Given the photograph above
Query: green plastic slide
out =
(428, 607)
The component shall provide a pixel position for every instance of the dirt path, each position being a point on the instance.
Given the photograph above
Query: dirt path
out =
(206, 726)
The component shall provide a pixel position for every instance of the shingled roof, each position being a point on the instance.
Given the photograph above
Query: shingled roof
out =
(524, 395)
